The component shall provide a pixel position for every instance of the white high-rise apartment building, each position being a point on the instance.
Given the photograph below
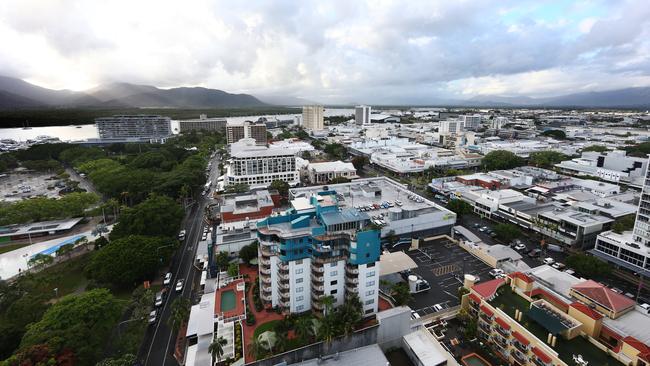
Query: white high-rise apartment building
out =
(471, 122)
(450, 127)
(630, 249)
(133, 127)
(258, 166)
(317, 251)
(312, 117)
(362, 114)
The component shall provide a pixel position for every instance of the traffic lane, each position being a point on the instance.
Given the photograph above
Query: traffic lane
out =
(158, 352)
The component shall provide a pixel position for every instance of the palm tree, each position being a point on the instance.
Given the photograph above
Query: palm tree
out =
(180, 312)
(256, 349)
(327, 302)
(327, 330)
(281, 341)
(216, 348)
(304, 328)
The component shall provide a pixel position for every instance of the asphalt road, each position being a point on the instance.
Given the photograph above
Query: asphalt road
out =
(159, 341)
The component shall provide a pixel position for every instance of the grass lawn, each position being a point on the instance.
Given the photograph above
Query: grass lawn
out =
(264, 327)
(10, 247)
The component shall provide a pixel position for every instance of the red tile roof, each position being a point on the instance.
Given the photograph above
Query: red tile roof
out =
(541, 355)
(489, 288)
(603, 295)
(503, 323)
(520, 337)
(522, 276)
(475, 298)
(593, 314)
(487, 311)
(637, 344)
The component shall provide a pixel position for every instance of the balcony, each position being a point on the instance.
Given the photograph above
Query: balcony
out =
(265, 262)
(352, 281)
(282, 266)
(539, 362)
(500, 341)
(285, 295)
(284, 276)
(520, 346)
(317, 305)
(520, 357)
(317, 279)
(266, 279)
(485, 327)
(322, 248)
(352, 289)
(284, 285)
(503, 332)
(266, 271)
(486, 318)
(321, 260)
(318, 269)
(317, 289)
(266, 297)
(352, 270)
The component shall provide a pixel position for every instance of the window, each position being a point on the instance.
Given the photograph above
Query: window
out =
(334, 273)
(370, 283)
(333, 283)
(299, 261)
(370, 292)
(299, 280)
(369, 311)
(299, 289)
(370, 274)
(371, 301)
(333, 292)
(333, 264)
(299, 271)
(300, 298)
(299, 307)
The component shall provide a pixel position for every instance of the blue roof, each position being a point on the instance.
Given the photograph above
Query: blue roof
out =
(343, 216)
(56, 247)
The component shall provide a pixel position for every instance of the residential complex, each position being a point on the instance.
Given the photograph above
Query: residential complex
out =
(471, 122)
(203, 123)
(312, 117)
(258, 166)
(613, 166)
(318, 249)
(549, 317)
(247, 129)
(362, 115)
(133, 128)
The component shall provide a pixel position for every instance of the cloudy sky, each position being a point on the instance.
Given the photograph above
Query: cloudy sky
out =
(332, 51)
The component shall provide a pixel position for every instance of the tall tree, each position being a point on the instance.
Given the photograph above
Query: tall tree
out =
(180, 312)
(156, 216)
(501, 159)
(216, 348)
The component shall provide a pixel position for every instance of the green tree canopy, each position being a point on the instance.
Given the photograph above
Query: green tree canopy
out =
(80, 322)
(460, 207)
(587, 265)
(248, 252)
(129, 260)
(547, 158)
(359, 162)
(501, 159)
(624, 223)
(281, 186)
(507, 232)
(41, 208)
(596, 148)
(556, 134)
(156, 216)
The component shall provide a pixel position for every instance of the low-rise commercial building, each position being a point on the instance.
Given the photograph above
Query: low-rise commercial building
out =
(323, 173)
(612, 166)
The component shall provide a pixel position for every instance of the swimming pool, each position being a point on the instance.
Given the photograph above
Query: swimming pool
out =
(227, 300)
(474, 360)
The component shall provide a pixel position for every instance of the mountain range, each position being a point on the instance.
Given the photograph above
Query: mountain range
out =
(18, 94)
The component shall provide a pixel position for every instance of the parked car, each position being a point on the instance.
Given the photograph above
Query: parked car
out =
(153, 316)
(179, 285)
(181, 235)
(558, 265)
(437, 307)
(645, 307)
(483, 229)
(160, 296)
(496, 272)
(520, 247)
(414, 315)
(570, 271)
(549, 261)
(617, 290)
(631, 296)
(168, 279)
(476, 225)
(534, 253)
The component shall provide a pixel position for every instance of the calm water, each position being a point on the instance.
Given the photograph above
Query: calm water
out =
(73, 133)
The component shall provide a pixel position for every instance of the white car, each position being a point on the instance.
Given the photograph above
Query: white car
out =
(414, 315)
(496, 272)
(159, 299)
(153, 316)
(520, 247)
(179, 285)
(437, 307)
(181, 235)
(549, 261)
(558, 265)
(168, 279)
(645, 307)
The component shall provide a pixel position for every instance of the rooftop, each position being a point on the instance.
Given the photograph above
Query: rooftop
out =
(603, 295)
(363, 356)
(395, 262)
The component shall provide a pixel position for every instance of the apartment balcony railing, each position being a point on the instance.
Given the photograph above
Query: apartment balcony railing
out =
(317, 288)
(266, 297)
(352, 270)
(518, 345)
(520, 357)
(321, 259)
(317, 279)
(265, 262)
(285, 295)
(500, 341)
(539, 362)
(318, 269)
(283, 276)
(266, 279)
(317, 305)
(282, 266)
(353, 281)
(284, 285)
(486, 328)
(503, 332)
(352, 289)
(266, 271)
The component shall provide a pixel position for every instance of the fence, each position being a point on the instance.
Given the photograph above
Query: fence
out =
(361, 338)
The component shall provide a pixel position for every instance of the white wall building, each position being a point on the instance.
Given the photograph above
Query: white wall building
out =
(258, 166)
(362, 114)
(133, 127)
(312, 117)
(472, 122)
(322, 173)
(450, 127)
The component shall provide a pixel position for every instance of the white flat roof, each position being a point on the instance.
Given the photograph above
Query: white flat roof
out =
(427, 349)
(202, 317)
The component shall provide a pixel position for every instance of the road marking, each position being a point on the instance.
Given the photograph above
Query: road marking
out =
(442, 270)
(174, 279)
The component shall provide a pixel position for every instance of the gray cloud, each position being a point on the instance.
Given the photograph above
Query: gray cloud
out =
(339, 51)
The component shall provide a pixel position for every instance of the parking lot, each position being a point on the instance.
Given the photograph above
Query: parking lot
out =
(15, 187)
(443, 263)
